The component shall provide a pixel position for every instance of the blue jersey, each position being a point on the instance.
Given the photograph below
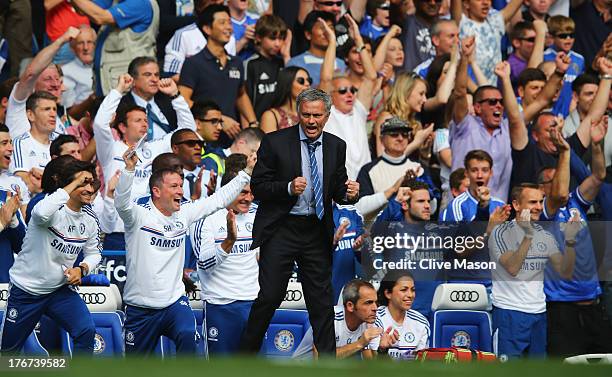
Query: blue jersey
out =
(11, 239)
(368, 29)
(585, 283)
(465, 208)
(562, 105)
(346, 261)
(239, 30)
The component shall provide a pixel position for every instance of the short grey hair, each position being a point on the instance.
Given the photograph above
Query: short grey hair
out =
(350, 292)
(436, 28)
(312, 95)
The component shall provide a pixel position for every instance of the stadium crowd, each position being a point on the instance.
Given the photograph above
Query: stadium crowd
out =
(135, 125)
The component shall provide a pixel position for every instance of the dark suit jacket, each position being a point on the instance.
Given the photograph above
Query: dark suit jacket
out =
(279, 161)
(163, 101)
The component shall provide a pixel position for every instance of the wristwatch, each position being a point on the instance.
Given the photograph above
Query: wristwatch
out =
(254, 124)
(605, 77)
(360, 48)
(177, 95)
(570, 243)
(82, 270)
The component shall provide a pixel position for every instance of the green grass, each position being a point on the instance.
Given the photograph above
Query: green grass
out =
(242, 367)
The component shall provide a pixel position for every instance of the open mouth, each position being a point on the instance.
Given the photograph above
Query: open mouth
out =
(7, 158)
(479, 183)
(497, 114)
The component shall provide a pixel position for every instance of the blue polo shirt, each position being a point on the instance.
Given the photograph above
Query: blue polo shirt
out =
(135, 14)
(204, 74)
(585, 282)
(562, 105)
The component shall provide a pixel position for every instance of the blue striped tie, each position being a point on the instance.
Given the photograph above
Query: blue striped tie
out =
(314, 177)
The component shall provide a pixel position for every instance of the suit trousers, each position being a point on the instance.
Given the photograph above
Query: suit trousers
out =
(300, 239)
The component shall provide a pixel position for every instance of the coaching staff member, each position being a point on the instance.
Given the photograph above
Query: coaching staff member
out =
(299, 171)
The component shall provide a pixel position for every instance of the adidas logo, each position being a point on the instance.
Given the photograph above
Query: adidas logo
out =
(264, 76)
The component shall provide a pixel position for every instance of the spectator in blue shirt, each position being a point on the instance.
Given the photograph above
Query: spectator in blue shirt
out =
(563, 30)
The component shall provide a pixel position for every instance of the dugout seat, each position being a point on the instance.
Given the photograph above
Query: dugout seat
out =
(32, 346)
(294, 298)
(285, 333)
(460, 318)
(104, 303)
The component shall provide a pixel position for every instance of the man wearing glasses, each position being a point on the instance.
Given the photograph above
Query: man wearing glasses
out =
(377, 178)
(351, 105)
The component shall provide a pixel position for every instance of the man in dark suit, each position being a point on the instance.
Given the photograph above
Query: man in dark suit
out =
(145, 93)
(294, 220)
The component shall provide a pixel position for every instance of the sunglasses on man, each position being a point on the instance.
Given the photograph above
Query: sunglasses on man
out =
(343, 90)
(565, 35)
(330, 3)
(491, 101)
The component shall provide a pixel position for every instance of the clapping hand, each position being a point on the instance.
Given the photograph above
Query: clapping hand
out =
(10, 207)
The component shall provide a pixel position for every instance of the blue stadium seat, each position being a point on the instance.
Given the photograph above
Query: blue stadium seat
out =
(285, 333)
(460, 318)
(109, 336)
(32, 346)
(104, 303)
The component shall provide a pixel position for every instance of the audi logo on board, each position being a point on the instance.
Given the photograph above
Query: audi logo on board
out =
(293, 295)
(93, 298)
(464, 296)
(4, 293)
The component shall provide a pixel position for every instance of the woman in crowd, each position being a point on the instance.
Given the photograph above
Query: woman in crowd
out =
(291, 82)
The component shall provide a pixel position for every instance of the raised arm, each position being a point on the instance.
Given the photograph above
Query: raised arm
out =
(41, 61)
(180, 106)
(123, 191)
(44, 210)
(599, 104)
(95, 13)
(446, 87)
(329, 61)
(544, 99)
(381, 51)
(518, 132)
(560, 184)
(223, 197)
(456, 11)
(510, 9)
(101, 124)
(589, 188)
(366, 90)
(460, 105)
(537, 56)
(357, 9)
